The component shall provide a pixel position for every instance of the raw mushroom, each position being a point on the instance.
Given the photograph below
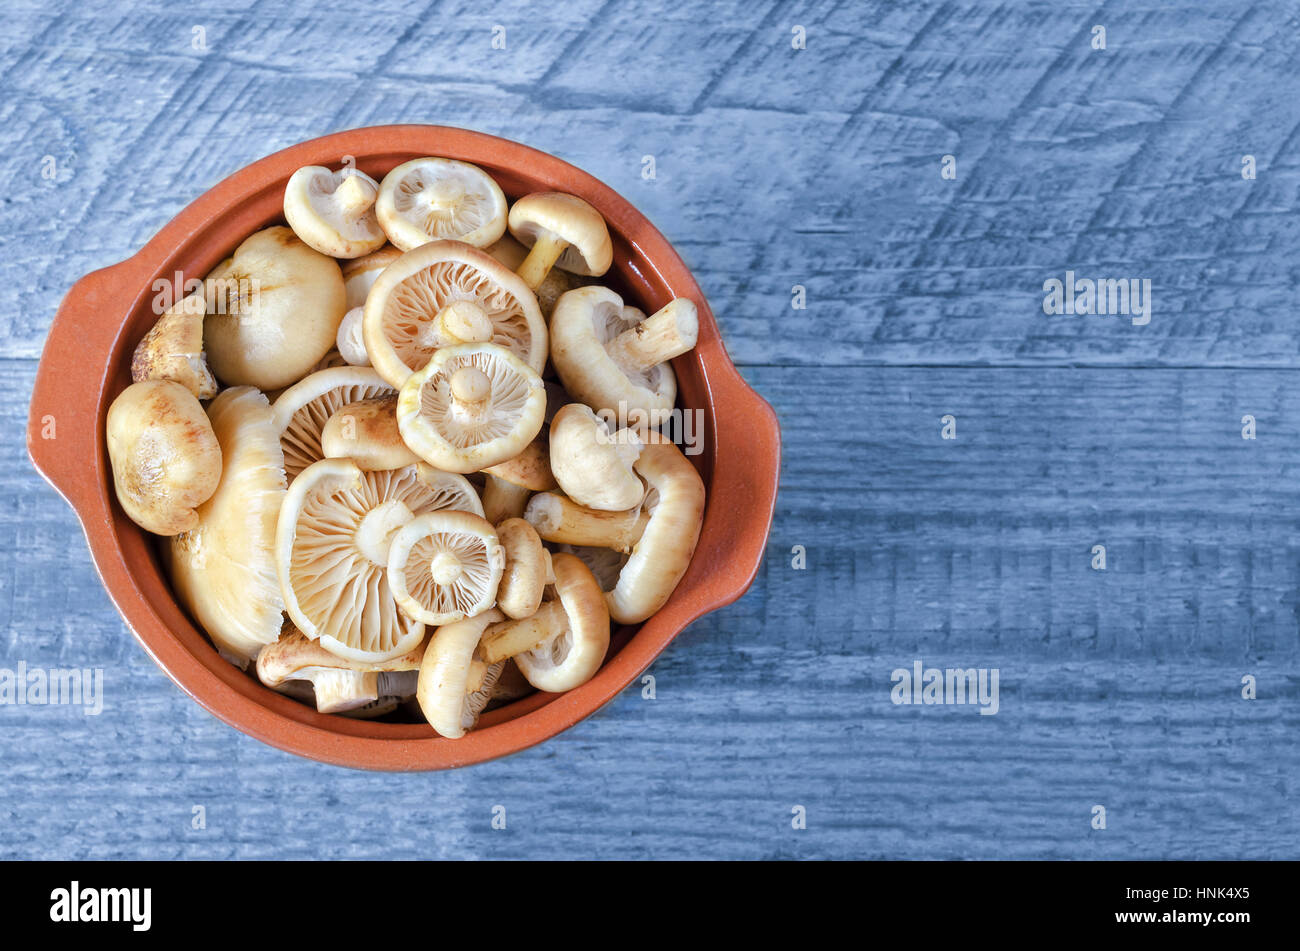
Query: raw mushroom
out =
(302, 410)
(455, 685)
(445, 566)
(173, 350)
(446, 294)
(224, 568)
(366, 432)
(331, 552)
(510, 686)
(503, 499)
(471, 407)
(508, 485)
(349, 340)
(527, 569)
(592, 465)
(165, 457)
(273, 310)
(663, 553)
(334, 212)
(427, 199)
(559, 519)
(610, 358)
(339, 685)
(360, 274)
(512, 254)
(562, 645)
(561, 231)
(605, 563)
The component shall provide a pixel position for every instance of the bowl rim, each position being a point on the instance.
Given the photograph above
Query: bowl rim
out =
(90, 327)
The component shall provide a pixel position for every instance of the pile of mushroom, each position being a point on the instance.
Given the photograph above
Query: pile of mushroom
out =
(377, 445)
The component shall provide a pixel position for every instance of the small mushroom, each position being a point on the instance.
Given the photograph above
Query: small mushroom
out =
(455, 684)
(350, 341)
(512, 254)
(445, 566)
(445, 294)
(508, 485)
(561, 231)
(338, 685)
(224, 568)
(273, 310)
(366, 432)
(592, 465)
(302, 410)
(334, 212)
(472, 407)
(561, 520)
(165, 457)
(360, 274)
(428, 199)
(527, 569)
(173, 350)
(503, 499)
(613, 360)
(663, 552)
(563, 644)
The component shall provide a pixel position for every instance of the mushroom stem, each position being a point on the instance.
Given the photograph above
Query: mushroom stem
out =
(545, 252)
(669, 333)
(508, 638)
(445, 568)
(558, 519)
(463, 321)
(355, 194)
(470, 386)
(503, 500)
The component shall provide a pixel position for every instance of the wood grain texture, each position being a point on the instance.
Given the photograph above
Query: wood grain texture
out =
(774, 167)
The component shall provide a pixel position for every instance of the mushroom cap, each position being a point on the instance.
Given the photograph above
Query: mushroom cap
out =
(531, 469)
(165, 457)
(447, 703)
(592, 465)
(403, 324)
(573, 655)
(661, 556)
(350, 341)
(173, 350)
(273, 310)
(338, 685)
(224, 568)
(366, 432)
(331, 552)
(302, 410)
(445, 566)
(429, 199)
(527, 569)
(360, 274)
(334, 212)
(584, 322)
(570, 219)
(466, 432)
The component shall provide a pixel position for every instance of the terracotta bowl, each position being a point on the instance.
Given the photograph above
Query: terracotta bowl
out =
(86, 364)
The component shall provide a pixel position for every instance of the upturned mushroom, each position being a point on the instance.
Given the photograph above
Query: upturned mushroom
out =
(610, 358)
(445, 294)
(223, 569)
(562, 645)
(472, 407)
(662, 554)
(366, 432)
(560, 230)
(272, 310)
(445, 566)
(455, 684)
(165, 457)
(338, 685)
(302, 410)
(334, 212)
(593, 466)
(563, 521)
(526, 570)
(173, 350)
(428, 199)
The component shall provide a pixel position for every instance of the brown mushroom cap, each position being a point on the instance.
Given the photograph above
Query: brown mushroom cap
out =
(173, 350)
(366, 432)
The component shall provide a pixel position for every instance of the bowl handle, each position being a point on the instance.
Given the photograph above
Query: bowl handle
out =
(62, 427)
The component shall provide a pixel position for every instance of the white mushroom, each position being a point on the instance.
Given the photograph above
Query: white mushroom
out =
(455, 685)
(338, 685)
(302, 410)
(593, 466)
(428, 199)
(360, 274)
(334, 212)
(445, 566)
(527, 569)
(173, 350)
(350, 341)
(561, 231)
(559, 519)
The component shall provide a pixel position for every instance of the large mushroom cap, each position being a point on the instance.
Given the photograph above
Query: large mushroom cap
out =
(428, 199)
(334, 212)
(567, 219)
(455, 685)
(592, 465)
(224, 568)
(173, 350)
(445, 566)
(302, 411)
(471, 407)
(445, 294)
(273, 310)
(166, 460)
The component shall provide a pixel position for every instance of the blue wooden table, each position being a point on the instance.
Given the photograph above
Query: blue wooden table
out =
(914, 175)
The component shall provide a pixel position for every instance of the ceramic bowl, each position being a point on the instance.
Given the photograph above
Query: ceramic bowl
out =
(86, 364)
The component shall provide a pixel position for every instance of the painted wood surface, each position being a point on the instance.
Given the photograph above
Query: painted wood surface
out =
(774, 167)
